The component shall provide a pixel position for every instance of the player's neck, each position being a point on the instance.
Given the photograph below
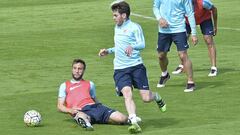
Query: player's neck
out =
(78, 80)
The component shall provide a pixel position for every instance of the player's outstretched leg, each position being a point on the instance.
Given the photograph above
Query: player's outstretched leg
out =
(160, 102)
(83, 123)
(134, 127)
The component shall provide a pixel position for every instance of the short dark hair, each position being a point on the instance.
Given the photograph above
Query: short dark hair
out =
(121, 7)
(75, 61)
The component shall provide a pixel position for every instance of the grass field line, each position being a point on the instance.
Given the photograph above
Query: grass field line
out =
(152, 18)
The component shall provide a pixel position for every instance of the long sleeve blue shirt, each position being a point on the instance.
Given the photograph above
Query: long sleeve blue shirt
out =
(174, 12)
(207, 4)
(129, 33)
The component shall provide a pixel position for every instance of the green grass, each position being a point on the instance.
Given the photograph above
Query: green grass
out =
(40, 38)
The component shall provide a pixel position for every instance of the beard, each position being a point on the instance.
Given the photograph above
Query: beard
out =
(77, 78)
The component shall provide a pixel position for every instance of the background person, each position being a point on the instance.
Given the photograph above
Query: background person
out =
(206, 16)
(172, 28)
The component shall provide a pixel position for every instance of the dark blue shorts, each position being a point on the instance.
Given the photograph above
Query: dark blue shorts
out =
(98, 113)
(165, 40)
(135, 76)
(206, 27)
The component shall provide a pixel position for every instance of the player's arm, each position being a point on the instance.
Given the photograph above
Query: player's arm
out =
(62, 108)
(93, 92)
(96, 100)
(104, 52)
(190, 14)
(156, 8)
(215, 16)
(61, 101)
(207, 4)
(139, 41)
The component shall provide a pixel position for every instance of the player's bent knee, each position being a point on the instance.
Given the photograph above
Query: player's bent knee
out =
(208, 40)
(117, 117)
(146, 98)
(162, 57)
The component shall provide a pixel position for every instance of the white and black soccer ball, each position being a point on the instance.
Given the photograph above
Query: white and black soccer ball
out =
(32, 118)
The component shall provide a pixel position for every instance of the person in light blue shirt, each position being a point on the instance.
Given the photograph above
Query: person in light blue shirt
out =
(172, 28)
(129, 70)
(206, 17)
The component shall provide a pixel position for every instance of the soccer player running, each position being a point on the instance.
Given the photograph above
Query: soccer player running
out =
(129, 70)
(78, 98)
(172, 28)
(205, 11)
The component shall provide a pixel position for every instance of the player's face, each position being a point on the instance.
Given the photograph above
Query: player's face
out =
(119, 18)
(77, 71)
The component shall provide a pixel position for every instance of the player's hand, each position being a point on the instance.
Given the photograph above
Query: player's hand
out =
(129, 50)
(194, 40)
(163, 23)
(103, 52)
(73, 111)
(215, 31)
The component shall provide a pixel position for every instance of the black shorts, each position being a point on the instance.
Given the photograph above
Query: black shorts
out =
(165, 41)
(98, 113)
(135, 76)
(206, 27)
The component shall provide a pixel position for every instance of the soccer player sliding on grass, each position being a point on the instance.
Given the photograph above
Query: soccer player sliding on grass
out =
(77, 97)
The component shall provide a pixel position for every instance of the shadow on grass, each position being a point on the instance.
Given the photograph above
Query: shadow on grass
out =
(155, 123)
(70, 120)
(220, 70)
(206, 84)
(159, 122)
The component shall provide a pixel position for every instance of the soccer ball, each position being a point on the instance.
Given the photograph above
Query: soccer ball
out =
(32, 118)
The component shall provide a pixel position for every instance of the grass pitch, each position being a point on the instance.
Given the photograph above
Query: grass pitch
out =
(40, 38)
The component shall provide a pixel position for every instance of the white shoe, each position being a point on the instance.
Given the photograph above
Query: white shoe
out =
(188, 90)
(178, 70)
(139, 120)
(134, 129)
(213, 72)
(160, 85)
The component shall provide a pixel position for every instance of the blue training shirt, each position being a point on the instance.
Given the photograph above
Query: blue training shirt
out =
(129, 33)
(174, 12)
(207, 4)
(62, 89)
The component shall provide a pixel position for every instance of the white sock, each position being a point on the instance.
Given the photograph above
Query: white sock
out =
(164, 73)
(190, 82)
(180, 65)
(214, 68)
(133, 118)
